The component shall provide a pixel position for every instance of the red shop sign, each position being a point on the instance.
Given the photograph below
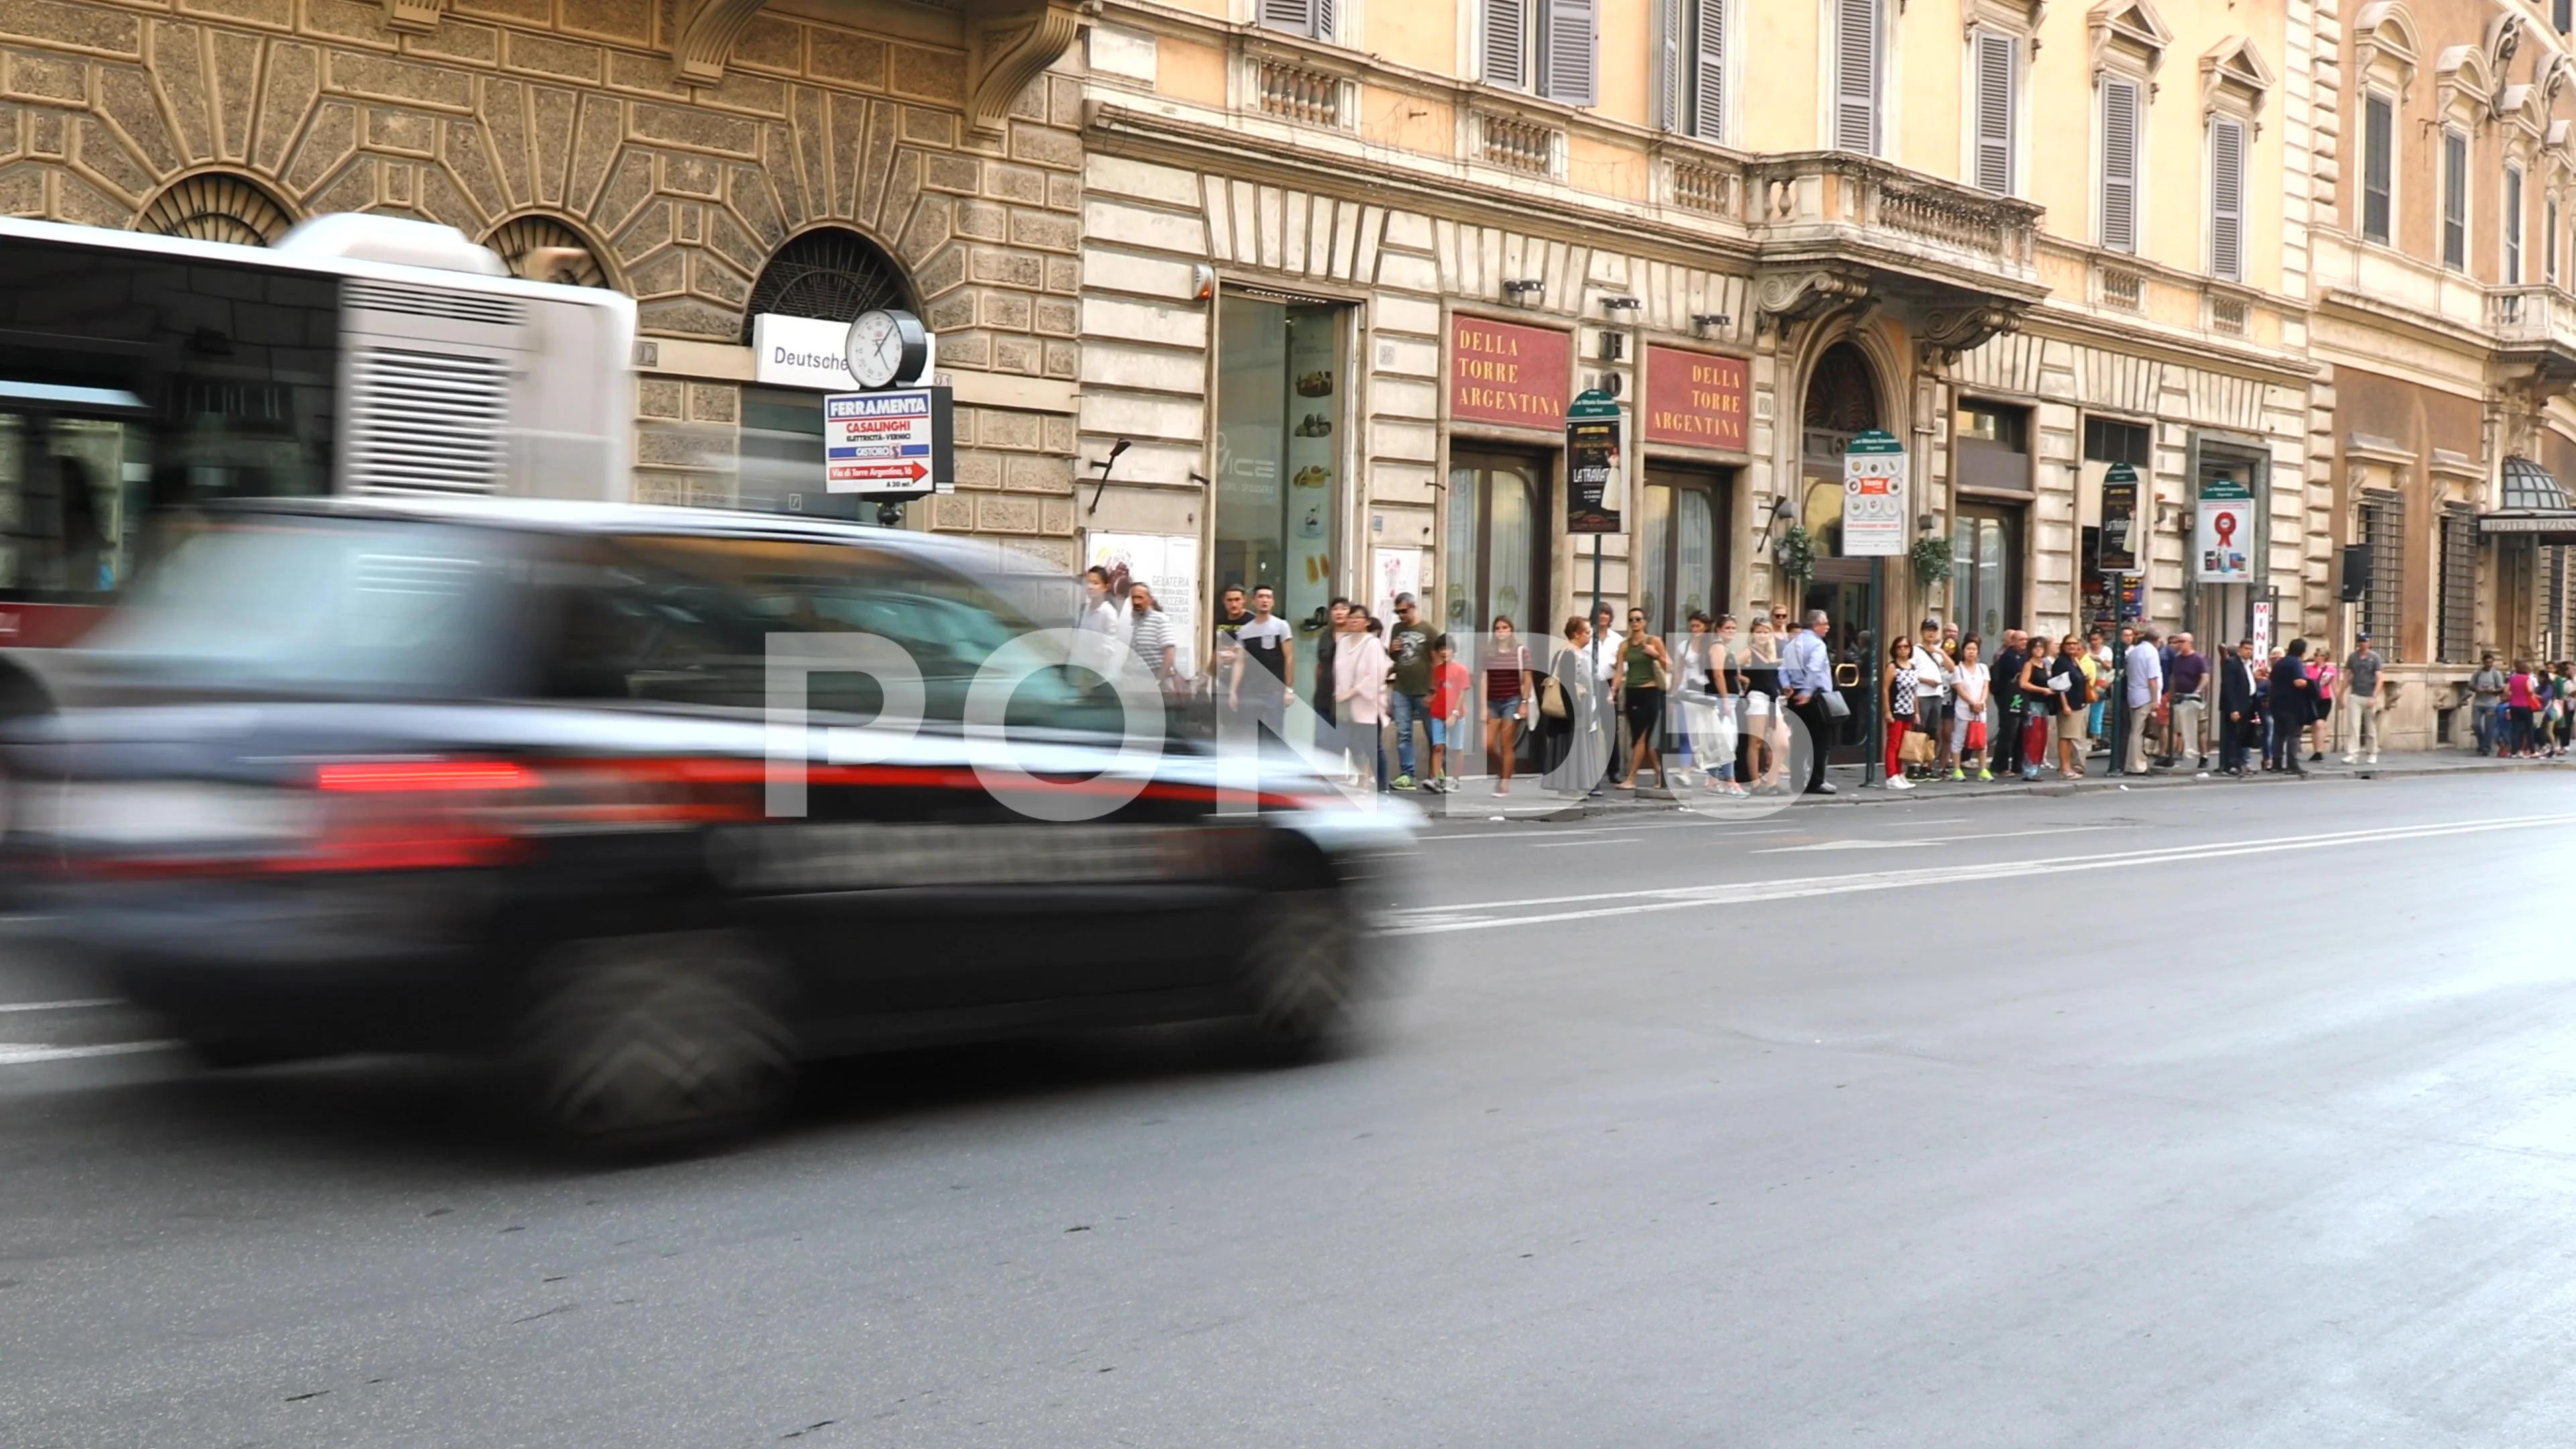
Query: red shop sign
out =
(1696, 399)
(1502, 372)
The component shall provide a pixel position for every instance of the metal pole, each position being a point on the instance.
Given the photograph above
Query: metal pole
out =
(1869, 667)
(1596, 581)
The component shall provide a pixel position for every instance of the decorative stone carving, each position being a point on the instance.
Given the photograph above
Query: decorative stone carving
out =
(1948, 331)
(1790, 296)
(413, 17)
(1010, 45)
(708, 29)
(2131, 28)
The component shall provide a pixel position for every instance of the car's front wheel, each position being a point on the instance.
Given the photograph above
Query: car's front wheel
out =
(1301, 974)
(656, 1043)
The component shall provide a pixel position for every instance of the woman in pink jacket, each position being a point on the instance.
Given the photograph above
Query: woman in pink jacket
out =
(1359, 689)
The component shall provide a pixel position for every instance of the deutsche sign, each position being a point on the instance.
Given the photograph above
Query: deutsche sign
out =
(1874, 517)
(892, 444)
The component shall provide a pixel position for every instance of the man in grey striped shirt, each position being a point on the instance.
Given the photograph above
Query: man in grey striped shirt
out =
(1150, 635)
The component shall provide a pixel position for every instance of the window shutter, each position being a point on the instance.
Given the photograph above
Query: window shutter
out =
(1708, 71)
(1995, 112)
(2119, 164)
(1297, 17)
(1565, 52)
(1672, 101)
(2378, 144)
(2455, 200)
(2549, 241)
(1326, 27)
(1856, 76)
(1506, 42)
(2227, 199)
(2513, 226)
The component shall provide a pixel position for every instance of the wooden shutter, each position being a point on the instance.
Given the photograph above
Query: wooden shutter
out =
(1672, 98)
(2378, 161)
(1994, 103)
(1708, 70)
(2227, 199)
(1856, 76)
(1297, 17)
(1565, 56)
(1506, 43)
(2513, 226)
(2455, 200)
(2119, 164)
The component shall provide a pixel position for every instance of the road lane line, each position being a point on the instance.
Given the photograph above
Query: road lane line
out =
(1462, 917)
(22, 1054)
(78, 1005)
(1565, 844)
(1931, 840)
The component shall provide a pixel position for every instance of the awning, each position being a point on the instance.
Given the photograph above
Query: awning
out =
(2535, 506)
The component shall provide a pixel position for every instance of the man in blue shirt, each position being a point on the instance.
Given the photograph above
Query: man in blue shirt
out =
(1806, 673)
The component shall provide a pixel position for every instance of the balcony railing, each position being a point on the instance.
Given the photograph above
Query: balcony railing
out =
(1839, 199)
(1296, 93)
(1517, 144)
(2529, 316)
(1704, 189)
(2124, 289)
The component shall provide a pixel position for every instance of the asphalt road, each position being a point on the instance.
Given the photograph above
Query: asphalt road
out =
(2241, 1115)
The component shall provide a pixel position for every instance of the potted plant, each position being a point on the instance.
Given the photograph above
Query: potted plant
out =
(1795, 553)
(1931, 558)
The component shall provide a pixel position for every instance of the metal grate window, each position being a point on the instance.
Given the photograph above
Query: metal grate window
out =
(426, 422)
(829, 272)
(2459, 584)
(2383, 527)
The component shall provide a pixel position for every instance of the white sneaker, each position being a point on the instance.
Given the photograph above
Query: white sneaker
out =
(1899, 782)
(2352, 759)
(2373, 760)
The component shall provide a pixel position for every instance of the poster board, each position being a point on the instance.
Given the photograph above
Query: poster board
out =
(1167, 563)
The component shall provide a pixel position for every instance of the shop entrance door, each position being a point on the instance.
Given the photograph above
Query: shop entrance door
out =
(1842, 589)
(1985, 572)
(1495, 561)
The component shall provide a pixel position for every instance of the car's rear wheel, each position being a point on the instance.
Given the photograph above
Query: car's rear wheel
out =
(1301, 974)
(658, 1043)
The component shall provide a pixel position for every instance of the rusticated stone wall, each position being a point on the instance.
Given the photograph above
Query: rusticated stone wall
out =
(571, 109)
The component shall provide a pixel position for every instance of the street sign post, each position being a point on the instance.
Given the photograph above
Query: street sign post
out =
(1875, 527)
(1593, 457)
(896, 443)
(2119, 547)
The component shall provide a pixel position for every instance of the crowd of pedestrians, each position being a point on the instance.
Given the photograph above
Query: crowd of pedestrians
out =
(1731, 708)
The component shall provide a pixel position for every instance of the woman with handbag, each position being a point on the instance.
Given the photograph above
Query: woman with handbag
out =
(1897, 717)
(1970, 692)
(1757, 752)
(1710, 698)
(1508, 691)
(1569, 685)
(2038, 702)
(1645, 672)
(2075, 688)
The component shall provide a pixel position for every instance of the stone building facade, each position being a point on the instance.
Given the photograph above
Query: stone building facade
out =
(682, 150)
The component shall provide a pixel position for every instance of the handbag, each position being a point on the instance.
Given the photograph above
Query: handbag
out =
(1551, 697)
(1834, 706)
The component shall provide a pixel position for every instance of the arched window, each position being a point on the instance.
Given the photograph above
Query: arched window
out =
(216, 207)
(829, 272)
(543, 249)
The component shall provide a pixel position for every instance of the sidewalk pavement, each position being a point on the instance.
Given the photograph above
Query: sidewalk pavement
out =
(2393, 765)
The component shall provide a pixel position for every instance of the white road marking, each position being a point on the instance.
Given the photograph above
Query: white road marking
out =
(79, 1005)
(21, 1054)
(1562, 844)
(1931, 840)
(1598, 904)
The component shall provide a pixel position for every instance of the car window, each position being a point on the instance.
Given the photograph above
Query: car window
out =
(324, 606)
(685, 620)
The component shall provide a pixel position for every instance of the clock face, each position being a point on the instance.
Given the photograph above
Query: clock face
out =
(883, 346)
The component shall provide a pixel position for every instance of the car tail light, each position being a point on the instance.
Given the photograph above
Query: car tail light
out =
(400, 814)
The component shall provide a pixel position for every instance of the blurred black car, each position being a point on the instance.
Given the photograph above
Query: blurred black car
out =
(494, 778)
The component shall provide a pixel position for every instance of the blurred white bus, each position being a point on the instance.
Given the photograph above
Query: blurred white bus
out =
(140, 375)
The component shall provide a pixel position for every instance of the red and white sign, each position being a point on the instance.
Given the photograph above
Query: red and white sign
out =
(901, 470)
(1695, 399)
(1503, 372)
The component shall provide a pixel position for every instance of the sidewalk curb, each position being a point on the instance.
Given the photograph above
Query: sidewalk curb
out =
(1848, 793)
